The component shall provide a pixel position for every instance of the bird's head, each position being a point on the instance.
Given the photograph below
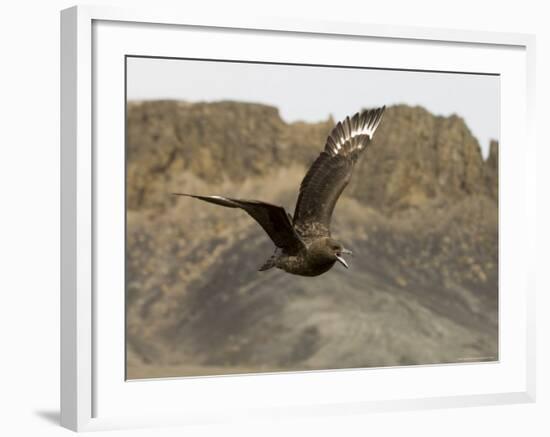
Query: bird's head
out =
(333, 250)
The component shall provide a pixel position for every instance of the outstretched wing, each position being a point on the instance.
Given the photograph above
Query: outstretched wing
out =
(272, 218)
(331, 172)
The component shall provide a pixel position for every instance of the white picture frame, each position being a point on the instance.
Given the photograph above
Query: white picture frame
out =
(93, 394)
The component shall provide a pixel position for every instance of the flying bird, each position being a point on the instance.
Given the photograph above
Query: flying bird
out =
(304, 245)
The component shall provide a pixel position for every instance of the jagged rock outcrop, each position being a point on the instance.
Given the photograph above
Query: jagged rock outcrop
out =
(414, 157)
(491, 170)
(213, 141)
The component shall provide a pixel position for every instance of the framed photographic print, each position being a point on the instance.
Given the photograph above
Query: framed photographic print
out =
(267, 218)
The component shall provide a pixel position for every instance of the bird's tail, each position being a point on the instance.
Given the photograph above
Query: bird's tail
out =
(270, 263)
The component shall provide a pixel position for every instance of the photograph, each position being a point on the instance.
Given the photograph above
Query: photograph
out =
(297, 217)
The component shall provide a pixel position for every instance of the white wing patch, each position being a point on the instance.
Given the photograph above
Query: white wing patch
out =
(354, 133)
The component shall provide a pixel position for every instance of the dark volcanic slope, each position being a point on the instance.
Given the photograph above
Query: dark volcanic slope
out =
(421, 214)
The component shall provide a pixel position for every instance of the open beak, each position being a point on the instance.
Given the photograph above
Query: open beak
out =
(342, 261)
(347, 252)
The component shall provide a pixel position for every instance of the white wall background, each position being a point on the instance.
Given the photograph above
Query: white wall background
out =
(29, 216)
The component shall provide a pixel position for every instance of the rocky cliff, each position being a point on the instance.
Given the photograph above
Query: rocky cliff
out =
(415, 156)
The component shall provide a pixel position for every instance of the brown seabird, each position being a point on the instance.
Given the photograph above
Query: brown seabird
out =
(304, 244)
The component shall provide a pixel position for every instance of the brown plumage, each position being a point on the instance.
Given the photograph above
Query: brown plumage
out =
(304, 243)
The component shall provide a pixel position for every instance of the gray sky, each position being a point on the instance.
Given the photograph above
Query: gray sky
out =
(313, 93)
